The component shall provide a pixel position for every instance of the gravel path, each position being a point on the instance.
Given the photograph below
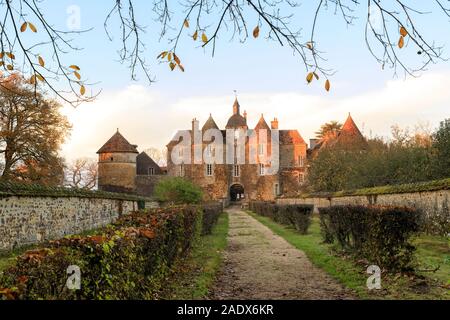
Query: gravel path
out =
(261, 265)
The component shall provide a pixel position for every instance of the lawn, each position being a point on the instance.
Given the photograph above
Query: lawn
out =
(431, 252)
(193, 277)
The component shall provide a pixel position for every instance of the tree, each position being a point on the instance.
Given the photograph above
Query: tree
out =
(159, 156)
(176, 190)
(441, 146)
(82, 173)
(206, 21)
(331, 128)
(31, 132)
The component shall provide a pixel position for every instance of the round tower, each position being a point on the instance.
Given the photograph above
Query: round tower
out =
(117, 165)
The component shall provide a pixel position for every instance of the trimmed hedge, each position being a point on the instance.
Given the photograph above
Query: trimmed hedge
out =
(35, 190)
(296, 215)
(129, 259)
(379, 234)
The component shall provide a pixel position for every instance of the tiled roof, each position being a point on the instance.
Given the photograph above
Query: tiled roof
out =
(117, 143)
(262, 124)
(210, 124)
(291, 137)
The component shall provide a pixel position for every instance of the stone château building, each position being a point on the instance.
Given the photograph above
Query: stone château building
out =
(121, 168)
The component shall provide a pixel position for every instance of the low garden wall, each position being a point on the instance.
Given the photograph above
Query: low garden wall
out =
(432, 198)
(31, 214)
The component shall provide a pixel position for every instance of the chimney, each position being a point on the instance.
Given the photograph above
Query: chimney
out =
(312, 143)
(274, 123)
(195, 125)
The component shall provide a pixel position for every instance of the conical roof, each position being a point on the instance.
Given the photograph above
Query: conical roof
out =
(262, 124)
(209, 124)
(117, 143)
(350, 136)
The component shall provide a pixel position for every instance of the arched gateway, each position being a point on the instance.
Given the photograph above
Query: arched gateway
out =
(236, 192)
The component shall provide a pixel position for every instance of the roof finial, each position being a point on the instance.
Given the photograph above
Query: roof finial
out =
(117, 129)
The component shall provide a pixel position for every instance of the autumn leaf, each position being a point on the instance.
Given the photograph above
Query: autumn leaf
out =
(195, 35)
(82, 90)
(23, 27)
(403, 32)
(9, 67)
(162, 55)
(1, 63)
(256, 32)
(186, 23)
(181, 67)
(169, 57)
(41, 61)
(10, 55)
(74, 67)
(204, 37)
(327, 85)
(309, 45)
(177, 60)
(41, 78)
(172, 66)
(401, 42)
(77, 75)
(309, 77)
(32, 27)
(33, 79)
(316, 75)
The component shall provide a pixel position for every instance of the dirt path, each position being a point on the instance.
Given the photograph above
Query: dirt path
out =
(261, 265)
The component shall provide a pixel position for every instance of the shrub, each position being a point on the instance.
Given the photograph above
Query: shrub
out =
(129, 259)
(379, 234)
(176, 190)
(211, 213)
(296, 215)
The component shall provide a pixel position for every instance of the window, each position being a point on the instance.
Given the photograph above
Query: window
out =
(151, 171)
(209, 170)
(236, 171)
(112, 159)
(301, 161)
(261, 169)
(181, 172)
(301, 177)
(276, 189)
(261, 148)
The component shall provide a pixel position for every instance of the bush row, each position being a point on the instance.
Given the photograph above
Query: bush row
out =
(129, 259)
(296, 215)
(379, 234)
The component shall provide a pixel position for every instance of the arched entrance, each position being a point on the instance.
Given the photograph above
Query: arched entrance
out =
(236, 192)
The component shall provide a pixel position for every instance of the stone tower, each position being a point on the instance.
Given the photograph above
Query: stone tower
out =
(117, 165)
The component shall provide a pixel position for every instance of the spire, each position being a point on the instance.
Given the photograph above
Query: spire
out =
(236, 106)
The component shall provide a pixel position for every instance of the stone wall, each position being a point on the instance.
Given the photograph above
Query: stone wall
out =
(430, 202)
(30, 219)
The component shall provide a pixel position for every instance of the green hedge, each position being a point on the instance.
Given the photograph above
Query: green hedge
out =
(296, 215)
(129, 259)
(379, 234)
(34, 190)
(434, 185)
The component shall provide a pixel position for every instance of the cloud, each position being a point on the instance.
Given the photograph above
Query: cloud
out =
(149, 119)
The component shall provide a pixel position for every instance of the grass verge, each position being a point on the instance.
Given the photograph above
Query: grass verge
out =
(192, 277)
(430, 251)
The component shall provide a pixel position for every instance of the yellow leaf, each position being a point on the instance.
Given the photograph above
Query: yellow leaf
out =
(77, 75)
(177, 60)
(309, 77)
(82, 90)
(33, 79)
(10, 55)
(204, 37)
(162, 55)
(172, 66)
(256, 32)
(2, 55)
(309, 45)
(403, 32)
(23, 27)
(181, 67)
(186, 23)
(316, 75)
(9, 67)
(1, 63)
(32, 27)
(41, 61)
(195, 35)
(401, 42)
(327, 85)
(74, 67)
(40, 77)
(169, 57)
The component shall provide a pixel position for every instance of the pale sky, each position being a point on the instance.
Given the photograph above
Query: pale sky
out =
(269, 79)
